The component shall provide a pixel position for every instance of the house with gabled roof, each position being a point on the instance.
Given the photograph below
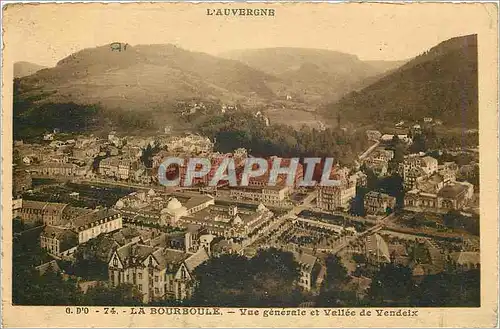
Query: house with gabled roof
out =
(309, 270)
(58, 241)
(157, 272)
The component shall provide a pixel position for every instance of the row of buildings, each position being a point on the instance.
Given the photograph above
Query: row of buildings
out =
(422, 255)
(433, 187)
(64, 226)
(121, 156)
(190, 210)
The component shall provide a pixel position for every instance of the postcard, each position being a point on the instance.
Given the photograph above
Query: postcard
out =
(255, 164)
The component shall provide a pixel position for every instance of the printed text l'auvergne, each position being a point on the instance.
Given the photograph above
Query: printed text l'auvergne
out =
(241, 12)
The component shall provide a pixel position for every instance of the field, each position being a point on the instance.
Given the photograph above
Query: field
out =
(295, 118)
(88, 196)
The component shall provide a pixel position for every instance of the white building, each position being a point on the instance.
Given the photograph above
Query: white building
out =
(90, 225)
(158, 273)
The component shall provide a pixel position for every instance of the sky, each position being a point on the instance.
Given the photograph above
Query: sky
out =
(46, 33)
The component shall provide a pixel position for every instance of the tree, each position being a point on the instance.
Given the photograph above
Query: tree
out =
(395, 141)
(419, 144)
(336, 273)
(391, 286)
(122, 295)
(274, 275)
(91, 258)
(357, 206)
(333, 292)
(399, 153)
(449, 289)
(147, 154)
(359, 258)
(393, 185)
(31, 288)
(268, 279)
(223, 281)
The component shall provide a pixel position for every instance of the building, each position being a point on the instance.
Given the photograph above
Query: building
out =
(17, 204)
(159, 157)
(49, 267)
(231, 222)
(377, 203)
(361, 178)
(268, 195)
(452, 196)
(430, 184)
(338, 197)
(157, 272)
(455, 196)
(380, 155)
(228, 246)
(66, 227)
(48, 213)
(373, 135)
(386, 138)
(176, 210)
(161, 209)
(131, 152)
(466, 260)
(58, 241)
(415, 167)
(281, 180)
(90, 225)
(56, 169)
(380, 169)
(376, 250)
(448, 171)
(192, 144)
(118, 167)
(309, 270)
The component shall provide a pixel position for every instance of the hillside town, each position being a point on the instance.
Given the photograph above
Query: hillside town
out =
(98, 216)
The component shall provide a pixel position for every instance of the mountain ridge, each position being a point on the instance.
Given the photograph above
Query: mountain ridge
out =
(148, 75)
(23, 68)
(331, 74)
(440, 83)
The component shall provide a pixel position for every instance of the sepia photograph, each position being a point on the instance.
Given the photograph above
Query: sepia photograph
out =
(262, 162)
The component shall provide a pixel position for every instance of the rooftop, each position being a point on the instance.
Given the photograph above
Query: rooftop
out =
(51, 266)
(305, 259)
(452, 191)
(196, 259)
(466, 257)
(376, 245)
(93, 217)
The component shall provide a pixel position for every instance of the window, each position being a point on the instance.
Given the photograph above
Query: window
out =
(115, 261)
(156, 278)
(140, 287)
(157, 291)
(140, 276)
